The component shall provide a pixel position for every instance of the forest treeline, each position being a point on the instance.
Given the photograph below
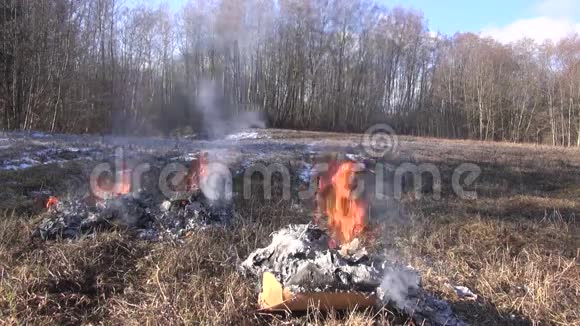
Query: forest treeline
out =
(126, 67)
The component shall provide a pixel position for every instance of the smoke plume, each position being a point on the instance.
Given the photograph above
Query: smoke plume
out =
(399, 285)
(218, 116)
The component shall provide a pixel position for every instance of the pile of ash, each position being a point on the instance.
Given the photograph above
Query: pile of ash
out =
(180, 217)
(137, 213)
(302, 261)
(72, 219)
(402, 290)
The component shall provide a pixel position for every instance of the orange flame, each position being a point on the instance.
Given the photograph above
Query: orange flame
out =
(346, 214)
(52, 202)
(197, 170)
(113, 186)
(123, 185)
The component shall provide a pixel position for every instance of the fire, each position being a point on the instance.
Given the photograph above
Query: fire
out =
(346, 214)
(197, 171)
(113, 186)
(52, 202)
(123, 185)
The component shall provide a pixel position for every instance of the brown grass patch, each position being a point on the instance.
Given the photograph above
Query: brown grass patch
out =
(523, 270)
(516, 247)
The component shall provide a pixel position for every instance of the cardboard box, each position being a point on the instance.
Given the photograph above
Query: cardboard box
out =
(275, 297)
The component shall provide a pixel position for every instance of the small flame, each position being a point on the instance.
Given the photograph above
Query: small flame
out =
(52, 202)
(123, 184)
(197, 171)
(346, 214)
(114, 186)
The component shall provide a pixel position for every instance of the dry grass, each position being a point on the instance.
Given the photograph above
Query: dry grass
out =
(25, 191)
(516, 247)
(527, 270)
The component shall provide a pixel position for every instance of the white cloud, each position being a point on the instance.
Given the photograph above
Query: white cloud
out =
(554, 20)
(557, 8)
(539, 29)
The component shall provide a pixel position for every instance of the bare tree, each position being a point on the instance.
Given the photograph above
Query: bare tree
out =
(103, 66)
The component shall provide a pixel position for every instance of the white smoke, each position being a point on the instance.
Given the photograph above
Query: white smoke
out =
(250, 119)
(400, 286)
(211, 111)
(217, 183)
(218, 117)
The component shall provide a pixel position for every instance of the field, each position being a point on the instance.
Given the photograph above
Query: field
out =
(515, 246)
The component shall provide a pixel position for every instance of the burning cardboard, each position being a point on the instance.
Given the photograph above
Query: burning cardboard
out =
(305, 266)
(301, 259)
(298, 271)
(299, 266)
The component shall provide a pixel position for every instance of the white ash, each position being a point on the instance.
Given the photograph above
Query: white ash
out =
(243, 135)
(177, 218)
(306, 173)
(301, 259)
(426, 309)
(248, 134)
(39, 134)
(354, 157)
(401, 288)
(5, 143)
(137, 212)
(52, 155)
(73, 219)
(187, 157)
(66, 221)
(464, 292)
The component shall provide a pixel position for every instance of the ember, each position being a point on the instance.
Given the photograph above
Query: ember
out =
(52, 202)
(109, 186)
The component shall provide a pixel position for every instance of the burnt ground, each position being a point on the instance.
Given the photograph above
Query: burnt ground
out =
(515, 246)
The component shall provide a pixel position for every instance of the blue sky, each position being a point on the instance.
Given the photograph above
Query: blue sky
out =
(505, 20)
(450, 16)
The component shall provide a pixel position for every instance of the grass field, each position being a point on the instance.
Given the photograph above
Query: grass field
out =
(516, 246)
